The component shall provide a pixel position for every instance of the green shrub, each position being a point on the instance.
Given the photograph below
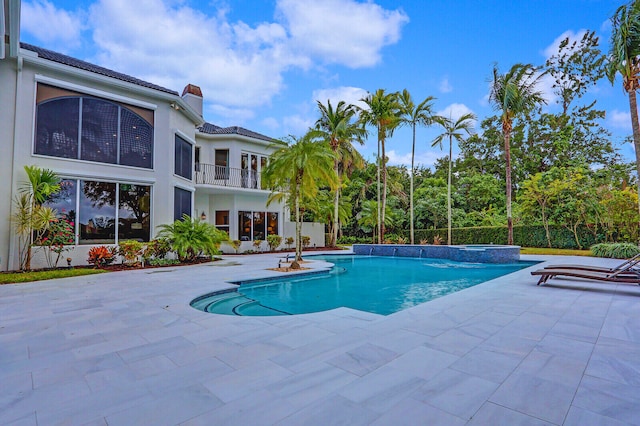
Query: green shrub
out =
(615, 250)
(274, 241)
(306, 240)
(156, 249)
(289, 242)
(164, 262)
(235, 244)
(348, 239)
(130, 250)
(190, 238)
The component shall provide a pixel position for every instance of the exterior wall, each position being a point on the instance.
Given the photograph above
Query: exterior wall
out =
(310, 229)
(17, 150)
(8, 74)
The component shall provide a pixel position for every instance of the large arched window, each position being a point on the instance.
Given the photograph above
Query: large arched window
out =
(93, 129)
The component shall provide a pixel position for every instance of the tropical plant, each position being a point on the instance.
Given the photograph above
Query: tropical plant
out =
(156, 249)
(190, 238)
(288, 241)
(56, 240)
(306, 241)
(235, 244)
(624, 59)
(295, 172)
(513, 93)
(257, 244)
(453, 130)
(383, 112)
(414, 115)
(340, 131)
(102, 255)
(274, 241)
(615, 250)
(131, 251)
(30, 216)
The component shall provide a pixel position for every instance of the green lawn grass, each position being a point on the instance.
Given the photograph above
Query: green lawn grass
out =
(553, 251)
(23, 277)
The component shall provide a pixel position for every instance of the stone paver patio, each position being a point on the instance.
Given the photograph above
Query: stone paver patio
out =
(126, 348)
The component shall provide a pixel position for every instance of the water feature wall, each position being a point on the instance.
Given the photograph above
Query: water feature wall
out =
(465, 253)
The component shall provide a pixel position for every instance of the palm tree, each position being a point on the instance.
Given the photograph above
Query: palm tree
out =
(296, 171)
(340, 132)
(453, 130)
(30, 215)
(624, 59)
(512, 94)
(383, 112)
(412, 115)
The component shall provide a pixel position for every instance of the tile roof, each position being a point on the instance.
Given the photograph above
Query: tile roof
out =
(86, 66)
(212, 129)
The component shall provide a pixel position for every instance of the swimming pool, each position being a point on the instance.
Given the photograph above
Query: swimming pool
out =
(377, 284)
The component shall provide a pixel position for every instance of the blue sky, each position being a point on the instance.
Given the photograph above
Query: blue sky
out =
(263, 64)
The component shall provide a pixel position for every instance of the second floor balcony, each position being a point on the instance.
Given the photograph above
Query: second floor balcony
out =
(210, 174)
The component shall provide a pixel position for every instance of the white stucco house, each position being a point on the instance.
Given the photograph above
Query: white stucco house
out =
(133, 155)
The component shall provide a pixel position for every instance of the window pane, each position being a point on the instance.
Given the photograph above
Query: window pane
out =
(57, 128)
(222, 217)
(258, 226)
(64, 201)
(136, 140)
(244, 226)
(99, 131)
(133, 212)
(222, 163)
(183, 165)
(97, 212)
(181, 203)
(272, 223)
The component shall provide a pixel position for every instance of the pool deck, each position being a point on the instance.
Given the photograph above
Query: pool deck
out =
(125, 348)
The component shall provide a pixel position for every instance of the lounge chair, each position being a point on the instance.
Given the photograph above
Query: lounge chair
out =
(629, 276)
(626, 266)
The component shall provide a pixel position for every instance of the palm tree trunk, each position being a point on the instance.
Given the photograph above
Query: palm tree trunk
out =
(413, 151)
(449, 195)
(633, 108)
(378, 182)
(383, 207)
(298, 230)
(336, 203)
(506, 129)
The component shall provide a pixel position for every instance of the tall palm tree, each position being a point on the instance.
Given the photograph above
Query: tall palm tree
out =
(453, 130)
(513, 93)
(383, 112)
(340, 131)
(414, 115)
(296, 171)
(624, 59)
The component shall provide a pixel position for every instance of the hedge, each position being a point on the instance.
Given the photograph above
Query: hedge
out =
(523, 235)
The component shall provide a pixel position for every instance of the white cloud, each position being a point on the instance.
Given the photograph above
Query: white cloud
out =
(455, 111)
(235, 65)
(445, 86)
(58, 28)
(238, 67)
(345, 32)
(297, 125)
(619, 119)
(350, 95)
(424, 159)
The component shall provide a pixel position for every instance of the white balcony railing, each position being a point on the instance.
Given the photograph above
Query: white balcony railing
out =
(210, 174)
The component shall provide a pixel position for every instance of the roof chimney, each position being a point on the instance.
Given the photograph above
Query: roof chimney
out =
(193, 96)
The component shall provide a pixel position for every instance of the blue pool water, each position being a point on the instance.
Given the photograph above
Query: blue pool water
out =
(377, 284)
